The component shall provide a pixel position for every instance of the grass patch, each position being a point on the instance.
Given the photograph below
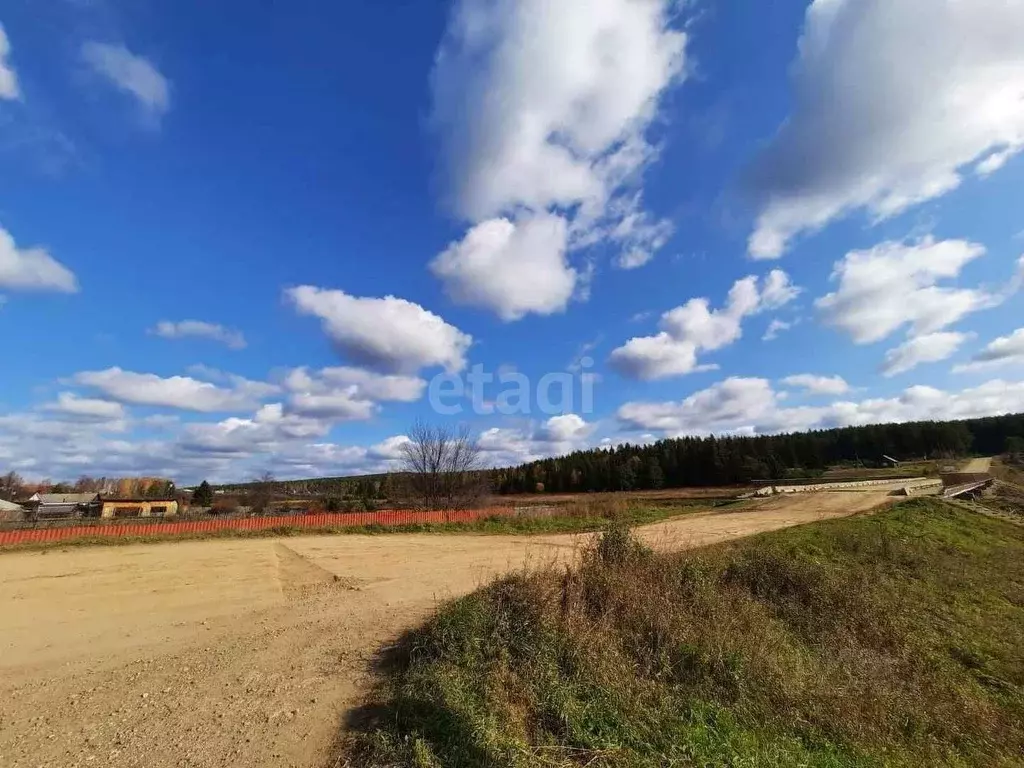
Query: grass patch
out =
(906, 469)
(568, 522)
(1009, 472)
(893, 639)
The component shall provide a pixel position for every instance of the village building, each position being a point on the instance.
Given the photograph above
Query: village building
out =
(57, 505)
(11, 512)
(113, 507)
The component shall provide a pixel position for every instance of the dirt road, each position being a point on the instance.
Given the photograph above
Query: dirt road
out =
(977, 465)
(249, 652)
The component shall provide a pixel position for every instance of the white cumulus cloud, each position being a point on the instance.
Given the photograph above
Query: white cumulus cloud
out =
(368, 384)
(130, 73)
(778, 290)
(8, 77)
(338, 405)
(32, 269)
(558, 435)
(818, 385)
(77, 408)
(531, 96)
(389, 334)
(511, 268)
(270, 426)
(391, 448)
(727, 405)
(694, 327)
(895, 285)
(894, 100)
(751, 406)
(929, 348)
(74, 438)
(564, 428)
(231, 338)
(345, 393)
(775, 327)
(1006, 350)
(544, 107)
(638, 235)
(182, 392)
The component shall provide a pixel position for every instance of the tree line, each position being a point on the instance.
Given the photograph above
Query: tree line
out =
(701, 461)
(342, 488)
(13, 486)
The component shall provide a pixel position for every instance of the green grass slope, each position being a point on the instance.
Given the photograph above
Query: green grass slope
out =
(895, 639)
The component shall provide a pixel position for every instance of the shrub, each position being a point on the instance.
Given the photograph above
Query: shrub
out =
(618, 546)
(224, 506)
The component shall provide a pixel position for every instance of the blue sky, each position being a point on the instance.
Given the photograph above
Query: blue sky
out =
(237, 239)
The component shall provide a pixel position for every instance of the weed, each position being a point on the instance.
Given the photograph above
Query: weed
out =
(618, 547)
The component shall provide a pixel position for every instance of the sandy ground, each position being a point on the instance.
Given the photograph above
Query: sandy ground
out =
(977, 465)
(250, 652)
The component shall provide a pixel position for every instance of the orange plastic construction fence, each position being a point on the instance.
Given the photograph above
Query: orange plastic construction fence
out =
(387, 517)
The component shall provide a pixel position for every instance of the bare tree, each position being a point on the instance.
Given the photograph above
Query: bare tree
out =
(10, 485)
(262, 493)
(88, 484)
(442, 467)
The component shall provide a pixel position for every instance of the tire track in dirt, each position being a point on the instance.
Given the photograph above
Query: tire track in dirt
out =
(298, 577)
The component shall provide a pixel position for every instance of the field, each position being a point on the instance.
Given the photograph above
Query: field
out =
(886, 640)
(907, 469)
(251, 651)
(1009, 473)
(666, 495)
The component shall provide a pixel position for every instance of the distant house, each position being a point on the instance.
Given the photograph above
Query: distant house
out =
(114, 507)
(889, 461)
(52, 505)
(11, 512)
(63, 498)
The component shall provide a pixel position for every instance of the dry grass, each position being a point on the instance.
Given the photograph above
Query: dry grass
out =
(1007, 499)
(665, 495)
(1008, 472)
(907, 469)
(887, 640)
